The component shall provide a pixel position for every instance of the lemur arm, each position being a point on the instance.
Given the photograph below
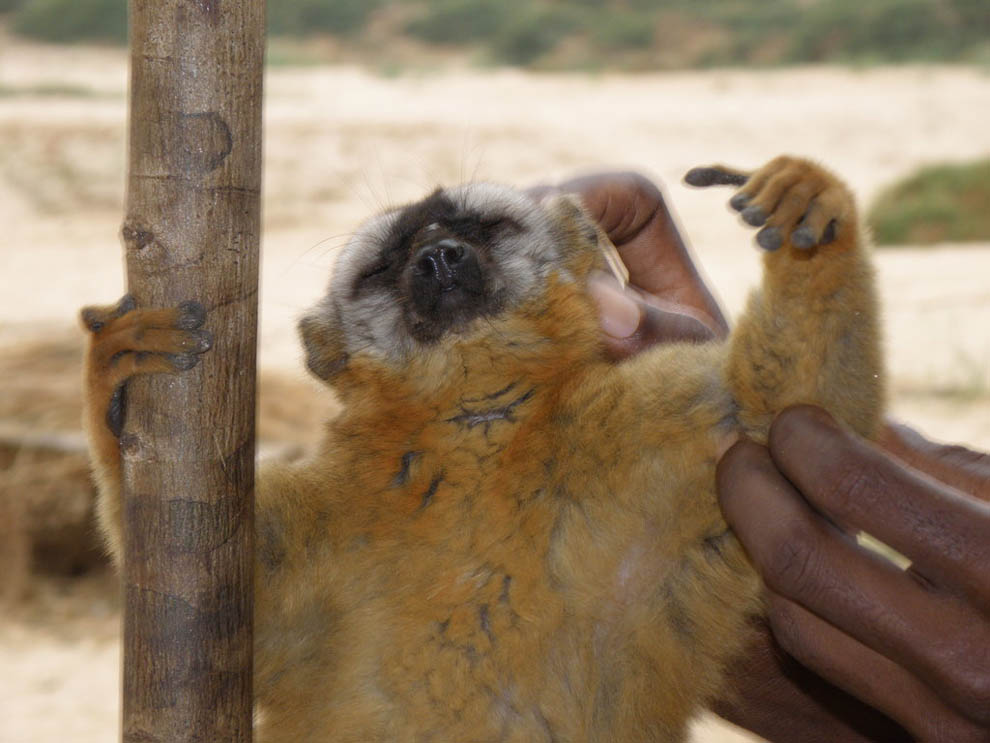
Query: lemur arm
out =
(811, 333)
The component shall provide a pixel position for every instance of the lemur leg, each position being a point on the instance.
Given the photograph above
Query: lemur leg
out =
(811, 333)
(124, 342)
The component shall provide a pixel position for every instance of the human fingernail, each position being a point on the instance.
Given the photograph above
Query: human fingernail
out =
(620, 315)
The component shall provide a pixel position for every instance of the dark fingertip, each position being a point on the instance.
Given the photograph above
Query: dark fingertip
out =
(183, 361)
(126, 304)
(205, 341)
(708, 176)
(90, 320)
(700, 177)
(191, 315)
(803, 238)
(831, 231)
(739, 201)
(754, 215)
(116, 411)
(769, 238)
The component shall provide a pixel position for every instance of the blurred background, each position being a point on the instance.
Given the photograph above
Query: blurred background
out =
(371, 103)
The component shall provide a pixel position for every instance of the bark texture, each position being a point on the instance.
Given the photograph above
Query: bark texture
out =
(191, 231)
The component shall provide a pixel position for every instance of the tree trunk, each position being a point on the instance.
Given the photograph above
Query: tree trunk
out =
(191, 231)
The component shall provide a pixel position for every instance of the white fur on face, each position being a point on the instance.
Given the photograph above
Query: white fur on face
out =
(372, 317)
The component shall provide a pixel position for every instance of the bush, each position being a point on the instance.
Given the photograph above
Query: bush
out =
(531, 33)
(940, 203)
(894, 30)
(618, 30)
(308, 17)
(460, 21)
(519, 32)
(73, 20)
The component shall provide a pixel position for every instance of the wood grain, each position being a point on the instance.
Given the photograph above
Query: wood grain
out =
(191, 231)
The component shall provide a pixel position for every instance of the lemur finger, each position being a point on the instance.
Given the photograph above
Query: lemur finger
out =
(763, 199)
(750, 192)
(794, 203)
(95, 318)
(154, 340)
(823, 220)
(715, 175)
(129, 364)
(186, 316)
(190, 315)
(770, 238)
(116, 410)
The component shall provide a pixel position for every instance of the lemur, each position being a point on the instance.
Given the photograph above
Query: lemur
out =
(506, 535)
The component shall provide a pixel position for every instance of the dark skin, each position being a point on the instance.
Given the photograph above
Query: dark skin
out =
(666, 295)
(854, 648)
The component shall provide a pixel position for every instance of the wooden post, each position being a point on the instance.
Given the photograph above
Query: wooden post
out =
(191, 231)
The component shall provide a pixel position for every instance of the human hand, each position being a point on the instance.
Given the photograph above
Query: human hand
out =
(666, 300)
(915, 643)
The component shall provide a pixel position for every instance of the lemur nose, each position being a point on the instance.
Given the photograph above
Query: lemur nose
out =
(441, 260)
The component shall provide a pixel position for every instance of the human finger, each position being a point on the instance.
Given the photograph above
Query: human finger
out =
(807, 559)
(867, 674)
(633, 322)
(633, 212)
(962, 468)
(770, 693)
(943, 532)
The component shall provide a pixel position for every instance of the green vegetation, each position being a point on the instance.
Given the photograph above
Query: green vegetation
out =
(310, 17)
(940, 203)
(618, 31)
(893, 30)
(640, 34)
(106, 20)
(461, 21)
(53, 91)
(514, 32)
(532, 32)
(72, 20)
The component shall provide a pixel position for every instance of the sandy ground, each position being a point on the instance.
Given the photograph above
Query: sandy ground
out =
(341, 143)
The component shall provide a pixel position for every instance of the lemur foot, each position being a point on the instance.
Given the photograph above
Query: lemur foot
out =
(796, 202)
(126, 341)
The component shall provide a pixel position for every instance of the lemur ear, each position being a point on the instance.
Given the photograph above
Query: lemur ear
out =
(324, 343)
(568, 207)
(579, 233)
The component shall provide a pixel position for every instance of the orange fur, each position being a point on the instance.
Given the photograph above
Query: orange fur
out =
(513, 539)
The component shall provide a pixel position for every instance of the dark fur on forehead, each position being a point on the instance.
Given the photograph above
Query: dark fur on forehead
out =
(474, 226)
(439, 208)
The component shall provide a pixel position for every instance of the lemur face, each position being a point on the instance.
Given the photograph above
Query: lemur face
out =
(417, 274)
